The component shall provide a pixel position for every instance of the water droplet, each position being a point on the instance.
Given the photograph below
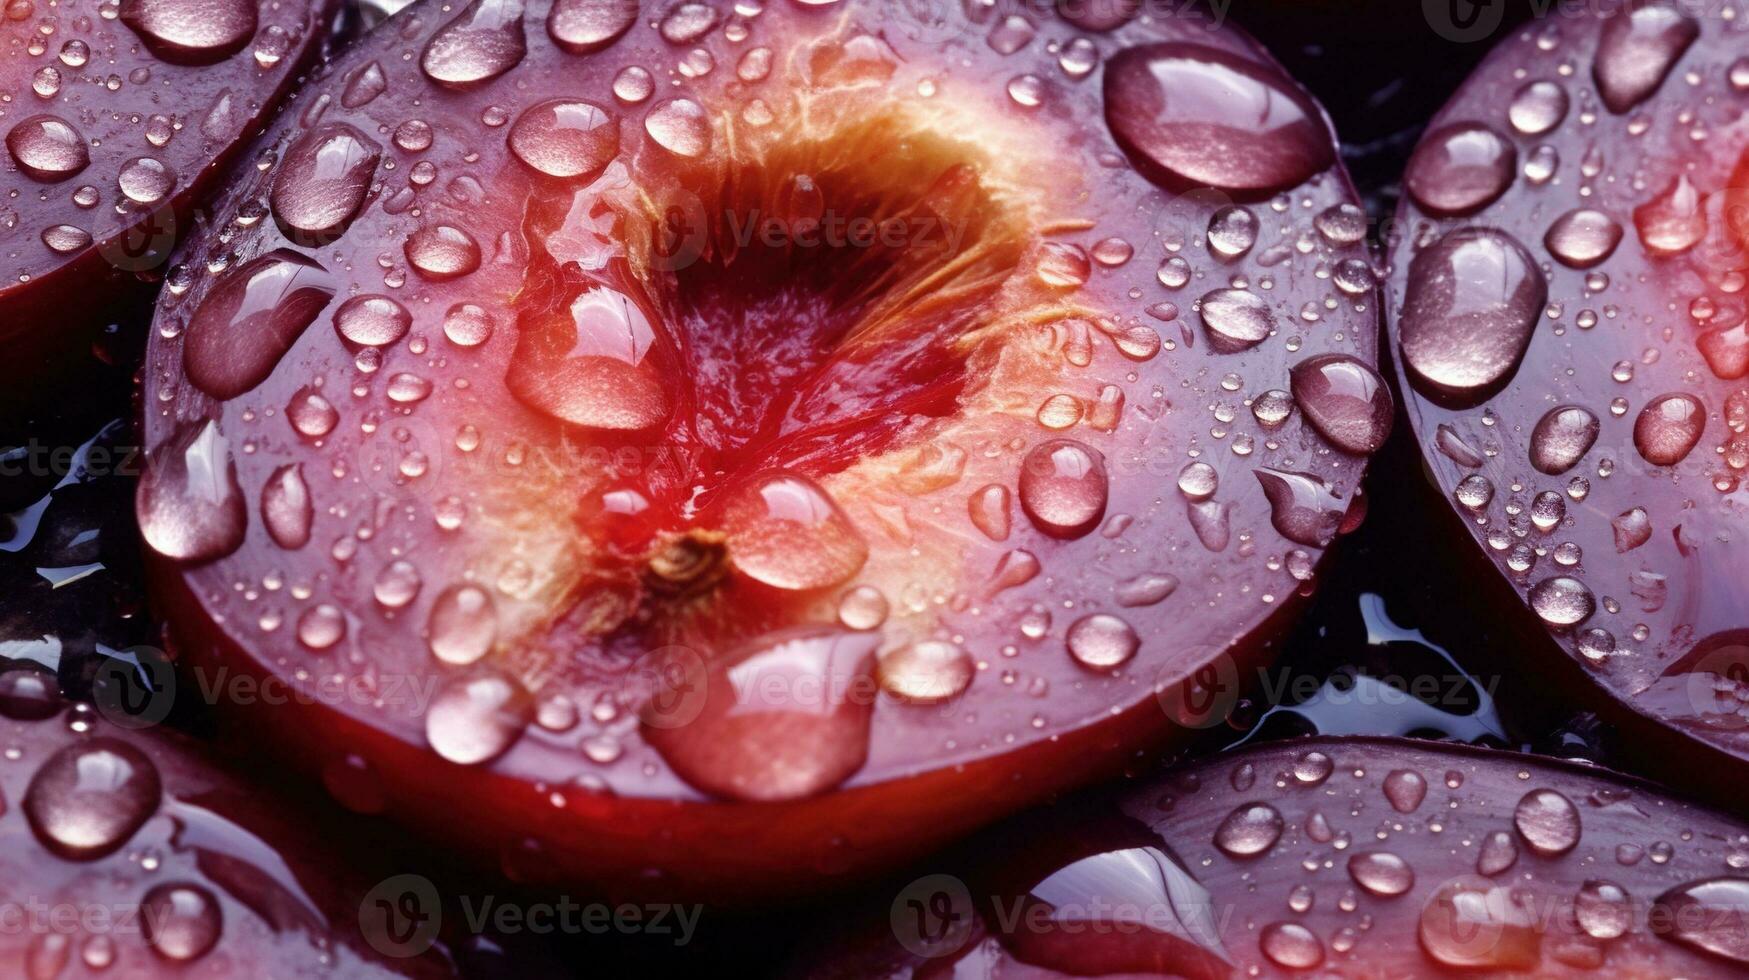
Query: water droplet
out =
(590, 364)
(192, 32)
(372, 320)
(566, 138)
(286, 509)
(1102, 641)
(1669, 427)
(1146, 590)
(989, 511)
(188, 503)
(679, 126)
(927, 673)
(1381, 872)
(322, 183)
(1405, 789)
(65, 239)
(467, 325)
(786, 531)
(1232, 231)
(88, 799)
(1604, 909)
(1472, 304)
(397, 584)
(1632, 529)
(1063, 488)
(477, 716)
(1548, 821)
(1561, 439)
(310, 414)
(1582, 238)
(483, 42)
(587, 26)
(1345, 400)
(181, 921)
(47, 148)
(1210, 118)
(462, 626)
(1302, 507)
(1498, 852)
(1250, 830)
(1674, 221)
(1460, 169)
(144, 180)
(1707, 915)
(1313, 768)
(1538, 107)
(1291, 945)
(1063, 265)
(1235, 319)
(252, 316)
(1637, 47)
(442, 252)
(863, 608)
(321, 626)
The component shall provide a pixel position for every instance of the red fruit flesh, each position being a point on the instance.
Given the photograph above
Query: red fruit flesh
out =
(1351, 857)
(115, 126)
(743, 454)
(1574, 349)
(132, 853)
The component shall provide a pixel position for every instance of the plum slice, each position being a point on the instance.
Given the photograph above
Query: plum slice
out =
(1567, 310)
(1351, 857)
(117, 118)
(134, 852)
(719, 449)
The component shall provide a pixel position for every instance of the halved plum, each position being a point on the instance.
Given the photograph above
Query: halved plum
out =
(134, 853)
(1338, 857)
(117, 118)
(725, 448)
(1567, 306)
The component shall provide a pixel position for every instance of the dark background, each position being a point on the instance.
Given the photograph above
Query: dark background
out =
(1380, 67)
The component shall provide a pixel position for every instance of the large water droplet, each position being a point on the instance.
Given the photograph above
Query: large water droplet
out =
(442, 252)
(786, 531)
(482, 42)
(566, 138)
(1562, 601)
(1583, 237)
(1196, 115)
(1604, 909)
(1674, 221)
(1102, 641)
(47, 148)
(590, 364)
(192, 32)
(927, 673)
(181, 921)
(88, 799)
(1302, 507)
(585, 26)
(188, 503)
(1708, 915)
(1669, 427)
(1548, 822)
(784, 717)
(679, 126)
(1472, 303)
(250, 319)
(322, 183)
(1345, 400)
(1063, 488)
(1381, 872)
(1561, 438)
(463, 624)
(286, 508)
(477, 716)
(1250, 830)
(1638, 46)
(372, 320)
(1460, 169)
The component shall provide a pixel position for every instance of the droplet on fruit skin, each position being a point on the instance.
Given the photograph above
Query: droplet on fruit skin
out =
(47, 148)
(1672, 222)
(1669, 427)
(1381, 872)
(250, 319)
(1208, 118)
(1146, 590)
(989, 510)
(1302, 507)
(1707, 915)
(590, 365)
(1476, 925)
(1102, 641)
(1473, 301)
(929, 672)
(87, 800)
(477, 716)
(785, 531)
(286, 509)
(322, 183)
(483, 42)
(1405, 789)
(1538, 107)
(1561, 439)
(463, 625)
(188, 32)
(1632, 528)
(442, 252)
(1291, 945)
(587, 26)
(1460, 169)
(1249, 831)
(1064, 488)
(1562, 601)
(312, 415)
(1498, 851)
(1345, 400)
(1603, 909)
(181, 921)
(1548, 822)
(372, 320)
(1235, 319)
(567, 139)
(188, 503)
(679, 126)
(1583, 238)
(781, 718)
(1639, 45)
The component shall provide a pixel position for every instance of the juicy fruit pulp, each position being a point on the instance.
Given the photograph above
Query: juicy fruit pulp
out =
(1346, 857)
(115, 117)
(774, 407)
(1574, 340)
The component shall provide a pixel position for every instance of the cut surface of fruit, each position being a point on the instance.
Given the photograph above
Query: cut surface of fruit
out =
(1575, 353)
(744, 445)
(1350, 857)
(133, 853)
(116, 118)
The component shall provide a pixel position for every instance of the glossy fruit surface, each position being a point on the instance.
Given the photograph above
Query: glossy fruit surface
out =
(1568, 313)
(1357, 857)
(740, 446)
